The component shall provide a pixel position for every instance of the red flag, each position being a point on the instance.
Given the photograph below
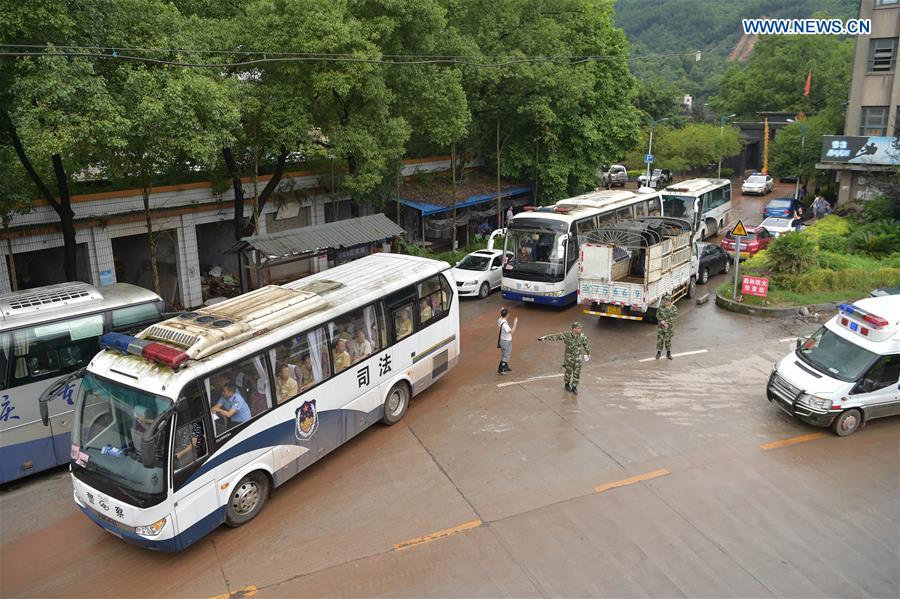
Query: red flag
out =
(808, 83)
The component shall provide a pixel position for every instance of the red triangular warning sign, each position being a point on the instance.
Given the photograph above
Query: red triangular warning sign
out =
(739, 230)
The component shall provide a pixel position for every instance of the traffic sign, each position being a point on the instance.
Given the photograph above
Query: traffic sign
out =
(739, 230)
(648, 158)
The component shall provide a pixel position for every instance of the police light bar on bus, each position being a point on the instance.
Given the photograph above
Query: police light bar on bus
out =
(149, 350)
(864, 323)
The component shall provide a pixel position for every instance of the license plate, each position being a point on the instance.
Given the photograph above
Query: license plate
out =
(527, 299)
(745, 254)
(614, 310)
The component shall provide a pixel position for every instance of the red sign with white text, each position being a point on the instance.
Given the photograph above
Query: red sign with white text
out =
(758, 286)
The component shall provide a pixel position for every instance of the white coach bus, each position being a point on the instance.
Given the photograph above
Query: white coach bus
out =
(46, 333)
(544, 243)
(704, 202)
(194, 420)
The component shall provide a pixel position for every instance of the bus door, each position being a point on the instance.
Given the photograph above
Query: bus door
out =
(401, 307)
(436, 340)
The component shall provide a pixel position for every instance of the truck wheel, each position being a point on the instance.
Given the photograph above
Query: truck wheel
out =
(247, 499)
(847, 423)
(692, 288)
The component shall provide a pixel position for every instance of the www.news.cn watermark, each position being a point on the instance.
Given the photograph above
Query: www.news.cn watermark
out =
(807, 26)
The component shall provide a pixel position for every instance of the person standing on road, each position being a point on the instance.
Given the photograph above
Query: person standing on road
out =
(509, 215)
(578, 351)
(666, 315)
(504, 340)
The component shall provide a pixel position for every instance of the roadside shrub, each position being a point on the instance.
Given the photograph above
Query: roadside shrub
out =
(833, 261)
(830, 242)
(759, 262)
(851, 278)
(792, 254)
(875, 241)
(881, 208)
(830, 225)
(892, 261)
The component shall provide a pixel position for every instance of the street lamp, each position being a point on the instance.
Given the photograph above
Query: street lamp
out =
(722, 132)
(653, 123)
(802, 126)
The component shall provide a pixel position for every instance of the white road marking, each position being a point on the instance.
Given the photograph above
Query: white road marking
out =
(684, 353)
(786, 339)
(531, 378)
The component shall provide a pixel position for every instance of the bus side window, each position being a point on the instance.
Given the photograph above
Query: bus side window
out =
(433, 301)
(132, 315)
(191, 445)
(884, 373)
(5, 361)
(239, 392)
(640, 210)
(56, 348)
(652, 207)
(623, 214)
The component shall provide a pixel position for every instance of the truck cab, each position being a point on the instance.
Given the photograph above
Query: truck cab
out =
(847, 373)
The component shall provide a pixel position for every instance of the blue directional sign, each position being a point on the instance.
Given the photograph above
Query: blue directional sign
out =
(648, 158)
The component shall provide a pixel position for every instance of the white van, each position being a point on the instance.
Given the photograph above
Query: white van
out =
(847, 372)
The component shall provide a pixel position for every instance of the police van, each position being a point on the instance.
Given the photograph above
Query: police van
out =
(847, 372)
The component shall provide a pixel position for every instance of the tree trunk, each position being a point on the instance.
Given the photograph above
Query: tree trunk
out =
(63, 208)
(151, 236)
(12, 260)
(66, 219)
(238, 187)
(272, 184)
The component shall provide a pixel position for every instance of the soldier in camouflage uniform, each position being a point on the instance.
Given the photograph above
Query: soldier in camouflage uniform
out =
(666, 315)
(576, 348)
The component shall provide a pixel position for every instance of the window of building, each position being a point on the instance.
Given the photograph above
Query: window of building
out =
(238, 392)
(874, 120)
(344, 209)
(356, 335)
(886, 2)
(301, 363)
(882, 54)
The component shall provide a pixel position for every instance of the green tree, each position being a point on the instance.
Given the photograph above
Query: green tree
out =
(557, 122)
(695, 145)
(797, 147)
(774, 77)
(15, 198)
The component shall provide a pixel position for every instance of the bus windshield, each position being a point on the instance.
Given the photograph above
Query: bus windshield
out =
(832, 354)
(678, 206)
(109, 424)
(535, 254)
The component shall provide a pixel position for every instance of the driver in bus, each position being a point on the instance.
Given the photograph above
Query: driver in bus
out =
(232, 405)
(404, 323)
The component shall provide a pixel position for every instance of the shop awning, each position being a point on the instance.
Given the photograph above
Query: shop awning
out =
(429, 209)
(339, 234)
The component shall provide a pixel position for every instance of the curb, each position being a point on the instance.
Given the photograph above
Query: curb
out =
(739, 308)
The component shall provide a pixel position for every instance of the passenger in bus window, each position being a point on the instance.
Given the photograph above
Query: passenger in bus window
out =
(403, 323)
(190, 444)
(232, 405)
(425, 311)
(285, 384)
(360, 347)
(341, 356)
(307, 379)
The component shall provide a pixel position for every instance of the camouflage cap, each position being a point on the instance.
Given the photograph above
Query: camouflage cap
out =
(576, 325)
(667, 298)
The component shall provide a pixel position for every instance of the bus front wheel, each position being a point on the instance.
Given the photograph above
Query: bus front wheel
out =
(247, 499)
(396, 403)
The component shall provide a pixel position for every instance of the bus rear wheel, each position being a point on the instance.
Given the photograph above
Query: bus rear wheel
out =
(395, 404)
(247, 499)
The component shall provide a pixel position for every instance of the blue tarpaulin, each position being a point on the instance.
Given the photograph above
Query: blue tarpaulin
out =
(429, 209)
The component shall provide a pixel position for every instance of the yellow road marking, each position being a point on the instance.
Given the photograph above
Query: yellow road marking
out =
(791, 441)
(437, 535)
(630, 481)
(244, 592)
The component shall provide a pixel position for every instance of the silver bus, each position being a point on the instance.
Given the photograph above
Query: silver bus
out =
(46, 333)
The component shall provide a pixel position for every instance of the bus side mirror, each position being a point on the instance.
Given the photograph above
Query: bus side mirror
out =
(50, 393)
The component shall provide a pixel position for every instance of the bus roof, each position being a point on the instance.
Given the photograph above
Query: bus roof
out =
(253, 321)
(596, 202)
(64, 300)
(696, 186)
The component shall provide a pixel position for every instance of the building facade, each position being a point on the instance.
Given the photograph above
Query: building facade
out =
(193, 229)
(873, 111)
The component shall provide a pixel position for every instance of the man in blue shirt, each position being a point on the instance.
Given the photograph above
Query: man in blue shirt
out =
(232, 405)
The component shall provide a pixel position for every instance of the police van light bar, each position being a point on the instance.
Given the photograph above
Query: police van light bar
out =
(872, 319)
(149, 350)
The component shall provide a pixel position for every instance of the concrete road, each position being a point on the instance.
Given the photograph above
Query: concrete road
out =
(659, 479)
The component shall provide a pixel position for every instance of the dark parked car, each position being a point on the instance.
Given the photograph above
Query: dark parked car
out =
(713, 260)
(781, 208)
(788, 179)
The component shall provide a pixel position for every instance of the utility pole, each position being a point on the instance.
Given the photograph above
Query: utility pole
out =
(650, 145)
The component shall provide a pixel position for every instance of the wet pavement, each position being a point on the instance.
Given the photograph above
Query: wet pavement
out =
(661, 478)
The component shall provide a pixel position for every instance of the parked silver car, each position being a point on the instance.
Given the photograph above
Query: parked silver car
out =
(617, 175)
